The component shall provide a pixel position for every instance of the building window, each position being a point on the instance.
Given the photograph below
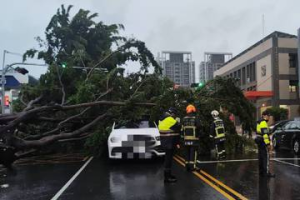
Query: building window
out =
(243, 76)
(254, 71)
(263, 70)
(293, 60)
(293, 85)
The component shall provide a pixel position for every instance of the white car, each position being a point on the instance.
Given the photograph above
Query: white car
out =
(135, 140)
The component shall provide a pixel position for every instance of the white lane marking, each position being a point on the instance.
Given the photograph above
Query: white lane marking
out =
(243, 160)
(285, 158)
(71, 180)
(287, 163)
(225, 161)
(4, 186)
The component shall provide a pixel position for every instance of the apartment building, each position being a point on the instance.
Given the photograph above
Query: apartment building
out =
(178, 66)
(212, 62)
(268, 73)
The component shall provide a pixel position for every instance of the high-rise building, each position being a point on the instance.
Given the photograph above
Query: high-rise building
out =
(178, 67)
(212, 62)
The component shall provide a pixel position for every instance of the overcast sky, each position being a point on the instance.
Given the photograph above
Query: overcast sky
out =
(178, 25)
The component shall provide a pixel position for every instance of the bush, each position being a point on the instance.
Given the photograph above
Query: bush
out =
(97, 144)
(278, 113)
(236, 144)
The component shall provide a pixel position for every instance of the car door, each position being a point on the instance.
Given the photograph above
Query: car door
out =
(277, 132)
(295, 134)
(287, 134)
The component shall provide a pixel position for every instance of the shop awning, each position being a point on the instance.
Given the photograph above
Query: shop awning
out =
(257, 94)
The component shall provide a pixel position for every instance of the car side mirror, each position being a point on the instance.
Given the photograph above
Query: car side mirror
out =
(279, 128)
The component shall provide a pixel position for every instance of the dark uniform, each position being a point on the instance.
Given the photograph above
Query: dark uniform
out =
(263, 141)
(217, 130)
(169, 130)
(191, 131)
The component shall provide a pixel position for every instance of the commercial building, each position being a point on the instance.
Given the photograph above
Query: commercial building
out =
(212, 62)
(13, 82)
(178, 66)
(268, 73)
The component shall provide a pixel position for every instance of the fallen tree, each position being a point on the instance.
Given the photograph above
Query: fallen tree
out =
(84, 88)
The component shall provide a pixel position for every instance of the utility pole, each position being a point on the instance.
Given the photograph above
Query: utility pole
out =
(3, 83)
(298, 62)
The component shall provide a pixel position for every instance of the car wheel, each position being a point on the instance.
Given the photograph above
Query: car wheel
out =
(275, 143)
(296, 147)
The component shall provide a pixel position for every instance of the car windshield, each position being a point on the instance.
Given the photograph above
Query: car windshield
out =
(280, 124)
(139, 124)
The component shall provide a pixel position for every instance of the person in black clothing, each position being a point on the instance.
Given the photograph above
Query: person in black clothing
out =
(263, 144)
(169, 129)
(217, 131)
(191, 131)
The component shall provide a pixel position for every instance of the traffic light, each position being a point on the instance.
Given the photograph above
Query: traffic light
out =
(197, 85)
(63, 64)
(21, 70)
(200, 85)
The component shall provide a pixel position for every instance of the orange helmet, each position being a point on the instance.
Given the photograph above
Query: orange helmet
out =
(190, 108)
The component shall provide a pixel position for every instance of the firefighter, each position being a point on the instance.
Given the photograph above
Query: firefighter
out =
(263, 144)
(169, 129)
(217, 131)
(190, 130)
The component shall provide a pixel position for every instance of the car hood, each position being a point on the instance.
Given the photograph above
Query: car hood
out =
(135, 131)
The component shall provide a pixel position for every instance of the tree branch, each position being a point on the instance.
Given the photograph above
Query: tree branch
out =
(104, 59)
(139, 87)
(24, 144)
(76, 139)
(29, 105)
(26, 115)
(60, 125)
(22, 100)
(62, 86)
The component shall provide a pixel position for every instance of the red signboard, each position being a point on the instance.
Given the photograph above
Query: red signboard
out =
(6, 100)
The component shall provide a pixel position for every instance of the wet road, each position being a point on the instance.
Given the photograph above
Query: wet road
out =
(234, 178)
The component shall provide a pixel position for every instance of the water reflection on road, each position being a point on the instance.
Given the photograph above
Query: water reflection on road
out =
(136, 179)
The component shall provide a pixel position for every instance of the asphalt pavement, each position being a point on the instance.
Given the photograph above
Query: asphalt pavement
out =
(233, 178)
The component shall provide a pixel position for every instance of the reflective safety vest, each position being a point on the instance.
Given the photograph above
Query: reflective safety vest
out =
(189, 128)
(219, 128)
(165, 125)
(262, 130)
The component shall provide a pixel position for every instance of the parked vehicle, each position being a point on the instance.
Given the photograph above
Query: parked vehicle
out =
(279, 124)
(134, 140)
(287, 136)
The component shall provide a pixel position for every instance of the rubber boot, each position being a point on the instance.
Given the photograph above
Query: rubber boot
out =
(269, 175)
(187, 167)
(169, 178)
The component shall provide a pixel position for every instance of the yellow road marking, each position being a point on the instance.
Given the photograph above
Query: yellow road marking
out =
(224, 186)
(218, 182)
(208, 182)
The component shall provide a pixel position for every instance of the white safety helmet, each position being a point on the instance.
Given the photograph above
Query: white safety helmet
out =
(214, 113)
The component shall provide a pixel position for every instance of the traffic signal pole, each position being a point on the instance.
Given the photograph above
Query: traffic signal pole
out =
(298, 63)
(3, 83)
(4, 71)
